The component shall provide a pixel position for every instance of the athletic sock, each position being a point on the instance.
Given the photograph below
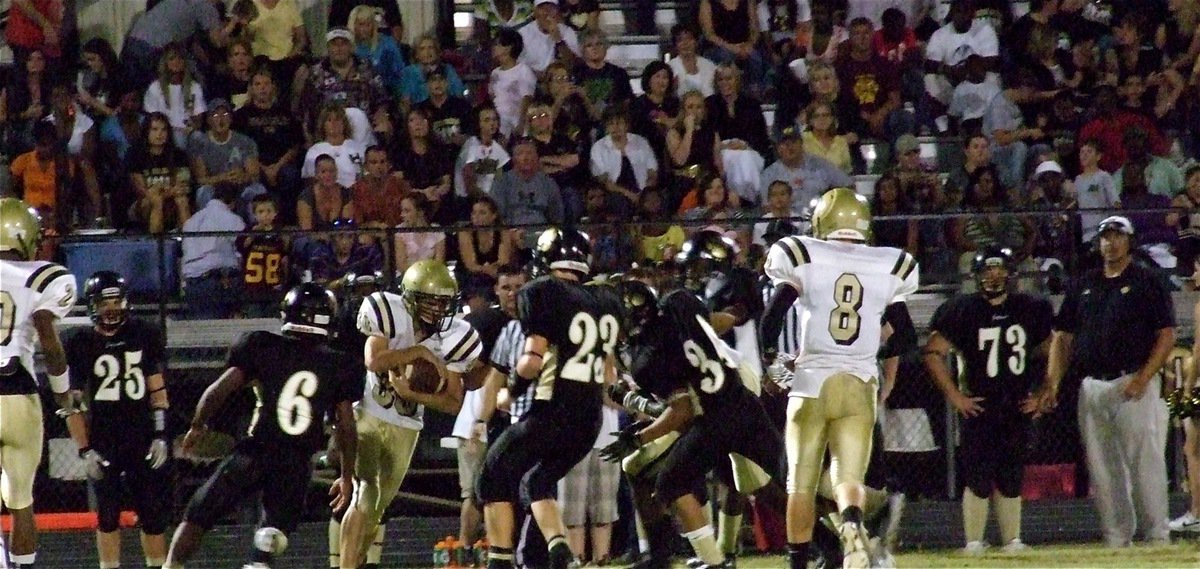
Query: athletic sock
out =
(335, 543)
(705, 545)
(560, 552)
(729, 529)
(798, 555)
(852, 515)
(975, 515)
(1008, 513)
(500, 558)
(375, 551)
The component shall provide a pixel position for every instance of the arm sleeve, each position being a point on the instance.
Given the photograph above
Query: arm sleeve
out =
(1067, 319)
(243, 353)
(904, 334)
(155, 360)
(73, 346)
(943, 321)
(776, 314)
(533, 309)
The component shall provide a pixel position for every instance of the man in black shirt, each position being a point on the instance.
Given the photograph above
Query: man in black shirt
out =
(1116, 328)
(449, 116)
(297, 380)
(996, 331)
(277, 133)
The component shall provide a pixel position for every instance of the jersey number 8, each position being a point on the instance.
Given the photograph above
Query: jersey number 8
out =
(109, 370)
(586, 365)
(844, 321)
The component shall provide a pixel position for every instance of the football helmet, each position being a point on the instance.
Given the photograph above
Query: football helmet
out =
(705, 255)
(992, 283)
(106, 285)
(308, 308)
(430, 293)
(20, 228)
(641, 303)
(842, 214)
(565, 249)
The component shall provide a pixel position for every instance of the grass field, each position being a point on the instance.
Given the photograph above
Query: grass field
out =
(1183, 554)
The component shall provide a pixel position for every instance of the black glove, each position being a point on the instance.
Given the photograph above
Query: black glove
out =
(618, 391)
(626, 444)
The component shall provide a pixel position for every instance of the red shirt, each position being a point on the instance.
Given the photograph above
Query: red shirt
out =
(1111, 135)
(894, 52)
(24, 32)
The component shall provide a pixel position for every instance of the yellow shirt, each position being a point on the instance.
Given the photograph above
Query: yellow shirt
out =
(652, 247)
(838, 152)
(273, 27)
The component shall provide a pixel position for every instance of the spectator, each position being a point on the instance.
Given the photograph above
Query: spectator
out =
(448, 114)
(1058, 232)
(947, 51)
(482, 157)
(745, 144)
(889, 200)
(413, 246)
(278, 36)
(493, 16)
(335, 138)
(232, 81)
(1118, 338)
(118, 134)
(35, 25)
(377, 194)
(1108, 125)
(1187, 223)
(654, 111)
(815, 81)
(870, 87)
(24, 100)
(822, 140)
(390, 20)
(77, 132)
(692, 146)
(694, 72)
(547, 39)
(1181, 33)
(171, 22)
(224, 155)
(715, 203)
(264, 260)
(1011, 140)
(511, 82)
(657, 239)
(348, 81)
(1155, 236)
(989, 224)
(413, 88)
(731, 28)
(589, 494)
(895, 39)
(561, 158)
(277, 134)
(326, 199)
(808, 176)
(972, 97)
(428, 166)
(910, 172)
(525, 195)
(161, 180)
(44, 176)
(342, 253)
(98, 80)
(604, 84)
(176, 94)
(1163, 177)
(373, 45)
(1094, 188)
(778, 205)
(483, 249)
(210, 265)
(581, 15)
(1040, 20)
(977, 153)
(570, 109)
(818, 39)
(623, 163)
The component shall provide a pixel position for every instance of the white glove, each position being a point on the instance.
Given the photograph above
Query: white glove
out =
(159, 452)
(94, 463)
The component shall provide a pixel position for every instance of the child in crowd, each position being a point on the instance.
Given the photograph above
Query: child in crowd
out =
(264, 260)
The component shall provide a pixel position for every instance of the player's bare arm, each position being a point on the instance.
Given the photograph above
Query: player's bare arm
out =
(934, 355)
(530, 363)
(212, 401)
(56, 366)
(1045, 398)
(678, 415)
(346, 434)
(448, 400)
(379, 359)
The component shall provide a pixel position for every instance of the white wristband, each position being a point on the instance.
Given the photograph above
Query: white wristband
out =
(60, 383)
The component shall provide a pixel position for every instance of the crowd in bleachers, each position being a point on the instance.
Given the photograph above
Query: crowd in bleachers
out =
(990, 111)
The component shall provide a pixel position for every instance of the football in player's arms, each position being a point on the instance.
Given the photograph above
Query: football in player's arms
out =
(423, 377)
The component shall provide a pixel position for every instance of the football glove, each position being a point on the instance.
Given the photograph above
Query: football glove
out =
(159, 452)
(93, 462)
(73, 403)
(626, 444)
(634, 401)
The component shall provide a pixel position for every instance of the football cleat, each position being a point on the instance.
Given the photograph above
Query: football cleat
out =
(854, 546)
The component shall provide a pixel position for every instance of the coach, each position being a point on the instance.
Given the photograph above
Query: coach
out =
(1115, 328)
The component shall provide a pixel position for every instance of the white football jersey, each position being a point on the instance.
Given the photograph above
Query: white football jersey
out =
(384, 314)
(27, 287)
(844, 290)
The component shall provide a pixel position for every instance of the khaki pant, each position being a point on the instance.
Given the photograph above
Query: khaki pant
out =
(842, 417)
(384, 454)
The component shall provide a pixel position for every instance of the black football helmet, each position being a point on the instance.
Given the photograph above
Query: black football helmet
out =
(641, 304)
(308, 308)
(705, 255)
(106, 285)
(991, 283)
(566, 249)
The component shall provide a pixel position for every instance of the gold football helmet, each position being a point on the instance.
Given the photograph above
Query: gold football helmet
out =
(430, 293)
(20, 228)
(842, 214)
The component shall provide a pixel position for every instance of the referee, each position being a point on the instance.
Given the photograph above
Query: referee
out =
(1115, 328)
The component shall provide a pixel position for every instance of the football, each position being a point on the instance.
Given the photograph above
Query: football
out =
(423, 377)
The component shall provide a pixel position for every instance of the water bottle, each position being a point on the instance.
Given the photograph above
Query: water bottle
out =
(439, 554)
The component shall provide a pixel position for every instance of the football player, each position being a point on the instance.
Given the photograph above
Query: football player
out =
(844, 286)
(417, 323)
(33, 296)
(297, 379)
(674, 348)
(118, 365)
(571, 335)
(997, 331)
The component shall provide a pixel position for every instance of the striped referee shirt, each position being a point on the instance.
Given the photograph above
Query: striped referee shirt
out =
(510, 344)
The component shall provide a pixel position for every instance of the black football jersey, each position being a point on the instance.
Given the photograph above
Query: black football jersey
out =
(582, 325)
(711, 367)
(112, 372)
(297, 381)
(995, 341)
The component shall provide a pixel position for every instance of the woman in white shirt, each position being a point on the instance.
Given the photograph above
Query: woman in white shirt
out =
(176, 94)
(482, 156)
(623, 163)
(335, 133)
(511, 82)
(417, 246)
(692, 72)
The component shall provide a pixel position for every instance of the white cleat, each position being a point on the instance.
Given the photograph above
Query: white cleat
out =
(854, 546)
(1185, 523)
(975, 548)
(1014, 546)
